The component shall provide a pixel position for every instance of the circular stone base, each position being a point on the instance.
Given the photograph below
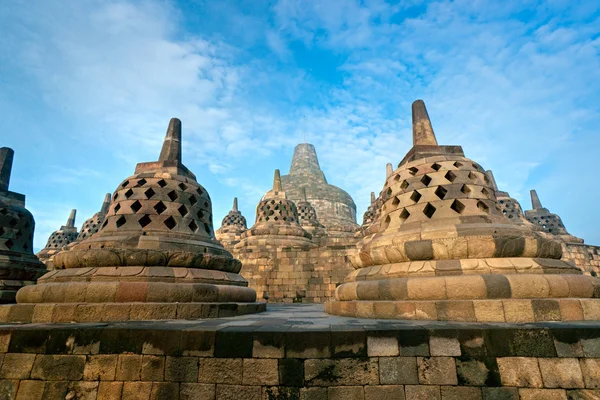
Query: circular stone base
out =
(494, 310)
(110, 312)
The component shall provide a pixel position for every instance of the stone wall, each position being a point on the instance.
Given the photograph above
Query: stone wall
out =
(586, 257)
(296, 274)
(354, 363)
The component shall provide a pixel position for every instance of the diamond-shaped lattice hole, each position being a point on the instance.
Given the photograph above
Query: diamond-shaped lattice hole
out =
(465, 189)
(451, 176)
(12, 223)
(149, 193)
(170, 223)
(136, 206)
(121, 221)
(397, 177)
(441, 192)
(1, 231)
(142, 182)
(124, 184)
(426, 180)
(183, 210)
(207, 228)
(200, 191)
(183, 186)
(105, 223)
(200, 214)
(115, 196)
(388, 193)
(458, 206)
(193, 200)
(404, 185)
(172, 195)
(472, 176)
(193, 226)
(144, 221)
(413, 170)
(436, 167)
(396, 201)
(477, 167)
(415, 196)
(160, 207)
(9, 244)
(483, 207)
(485, 192)
(128, 193)
(3, 211)
(429, 210)
(161, 183)
(404, 215)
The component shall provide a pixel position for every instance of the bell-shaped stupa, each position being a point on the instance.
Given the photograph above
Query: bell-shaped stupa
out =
(154, 257)
(547, 221)
(18, 265)
(369, 215)
(92, 225)
(307, 217)
(58, 239)
(444, 250)
(232, 227)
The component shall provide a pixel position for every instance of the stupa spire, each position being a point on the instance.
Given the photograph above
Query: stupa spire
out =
(71, 220)
(235, 205)
(536, 204)
(171, 150)
(372, 197)
(277, 181)
(305, 162)
(105, 204)
(388, 170)
(421, 124)
(6, 161)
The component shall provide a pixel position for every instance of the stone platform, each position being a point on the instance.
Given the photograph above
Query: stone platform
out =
(299, 352)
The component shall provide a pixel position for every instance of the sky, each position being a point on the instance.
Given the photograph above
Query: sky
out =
(87, 88)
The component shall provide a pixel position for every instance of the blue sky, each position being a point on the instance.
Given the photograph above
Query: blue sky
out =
(87, 88)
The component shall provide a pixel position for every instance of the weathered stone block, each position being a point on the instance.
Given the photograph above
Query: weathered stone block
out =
(196, 391)
(437, 371)
(129, 367)
(561, 373)
(520, 372)
(181, 369)
(100, 368)
(398, 371)
(395, 392)
(220, 370)
(17, 366)
(345, 393)
(422, 392)
(58, 368)
(263, 372)
(345, 371)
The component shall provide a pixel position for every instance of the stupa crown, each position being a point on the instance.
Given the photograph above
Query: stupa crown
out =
(60, 238)
(305, 163)
(93, 224)
(6, 162)
(536, 204)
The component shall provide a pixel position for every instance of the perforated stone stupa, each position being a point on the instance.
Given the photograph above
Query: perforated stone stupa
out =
(18, 265)
(547, 221)
(59, 239)
(93, 224)
(232, 227)
(154, 257)
(335, 208)
(444, 250)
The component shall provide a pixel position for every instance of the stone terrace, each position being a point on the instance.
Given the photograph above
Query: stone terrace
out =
(299, 352)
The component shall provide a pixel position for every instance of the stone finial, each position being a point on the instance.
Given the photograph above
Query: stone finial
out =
(535, 200)
(6, 161)
(303, 194)
(105, 204)
(372, 197)
(71, 220)
(490, 175)
(306, 163)
(422, 130)
(388, 170)
(235, 205)
(277, 181)
(171, 150)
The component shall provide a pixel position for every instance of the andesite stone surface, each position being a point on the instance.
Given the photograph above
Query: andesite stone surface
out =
(442, 245)
(18, 265)
(154, 257)
(58, 239)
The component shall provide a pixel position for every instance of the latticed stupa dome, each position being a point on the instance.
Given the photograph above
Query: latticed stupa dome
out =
(93, 224)
(158, 231)
(18, 264)
(369, 215)
(234, 221)
(441, 236)
(307, 215)
(548, 222)
(65, 235)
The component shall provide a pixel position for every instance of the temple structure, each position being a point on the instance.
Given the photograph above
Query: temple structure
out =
(232, 227)
(92, 225)
(442, 248)
(58, 239)
(18, 265)
(335, 208)
(154, 257)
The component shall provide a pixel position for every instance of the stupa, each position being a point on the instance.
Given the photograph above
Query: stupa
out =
(58, 240)
(154, 257)
(232, 227)
(444, 250)
(547, 221)
(369, 215)
(18, 265)
(307, 217)
(335, 208)
(92, 225)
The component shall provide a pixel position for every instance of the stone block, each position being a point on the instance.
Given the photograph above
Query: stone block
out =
(235, 392)
(440, 345)
(516, 310)
(345, 393)
(262, 372)
(291, 372)
(398, 371)
(181, 369)
(520, 372)
(422, 392)
(129, 367)
(313, 393)
(590, 368)
(583, 394)
(269, 345)
(153, 368)
(164, 390)
(220, 370)
(17, 366)
(472, 372)
(561, 373)
(82, 390)
(382, 345)
(59, 390)
(543, 394)
(280, 393)
(345, 371)
(500, 393)
(100, 368)
(197, 343)
(349, 343)
(31, 390)
(395, 392)
(58, 368)
(489, 311)
(110, 390)
(196, 391)
(437, 371)
(460, 393)
(308, 344)
(137, 390)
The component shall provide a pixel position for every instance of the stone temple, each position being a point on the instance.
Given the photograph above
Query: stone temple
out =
(451, 293)
(58, 239)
